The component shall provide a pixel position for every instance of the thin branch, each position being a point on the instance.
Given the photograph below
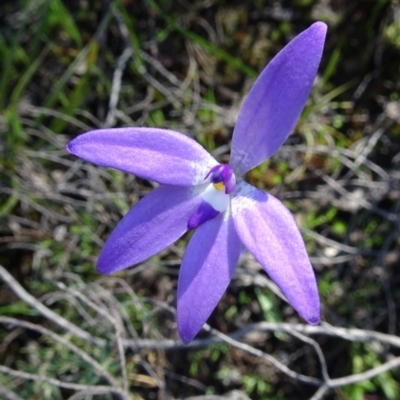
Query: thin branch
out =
(9, 394)
(42, 309)
(121, 64)
(348, 380)
(66, 385)
(320, 393)
(66, 343)
(258, 353)
(353, 335)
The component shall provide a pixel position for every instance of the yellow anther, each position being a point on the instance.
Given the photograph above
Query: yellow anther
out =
(219, 186)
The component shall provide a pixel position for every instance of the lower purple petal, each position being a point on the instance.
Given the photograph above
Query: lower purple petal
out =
(267, 228)
(207, 268)
(155, 222)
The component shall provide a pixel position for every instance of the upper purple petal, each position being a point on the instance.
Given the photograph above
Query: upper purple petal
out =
(155, 222)
(207, 268)
(276, 100)
(267, 228)
(160, 155)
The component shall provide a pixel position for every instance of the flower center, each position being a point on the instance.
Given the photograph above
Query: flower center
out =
(219, 186)
(222, 177)
(216, 196)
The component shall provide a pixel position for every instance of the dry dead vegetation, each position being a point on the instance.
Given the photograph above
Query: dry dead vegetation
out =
(68, 333)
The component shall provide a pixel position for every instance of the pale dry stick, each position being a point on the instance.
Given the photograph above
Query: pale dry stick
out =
(142, 70)
(66, 385)
(127, 289)
(31, 13)
(43, 132)
(123, 117)
(318, 350)
(363, 376)
(38, 111)
(115, 321)
(212, 34)
(195, 95)
(259, 353)
(160, 87)
(9, 338)
(219, 151)
(362, 202)
(89, 195)
(116, 307)
(352, 334)
(343, 154)
(135, 301)
(42, 309)
(344, 159)
(320, 393)
(9, 394)
(124, 31)
(76, 293)
(160, 68)
(44, 331)
(363, 152)
(35, 206)
(89, 116)
(191, 71)
(371, 143)
(324, 260)
(182, 86)
(50, 156)
(83, 54)
(349, 334)
(24, 246)
(76, 279)
(229, 114)
(375, 185)
(93, 291)
(89, 393)
(121, 351)
(146, 102)
(384, 277)
(116, 86)
(188, 381)
(71, 210)
(203, 59)
(257, 278)
(54, 297)
(333, 383)
(333, 243)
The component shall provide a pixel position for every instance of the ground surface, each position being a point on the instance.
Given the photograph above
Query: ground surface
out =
(68, 333)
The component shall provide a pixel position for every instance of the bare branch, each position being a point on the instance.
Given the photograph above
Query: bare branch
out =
(73, 386)
(42, 309)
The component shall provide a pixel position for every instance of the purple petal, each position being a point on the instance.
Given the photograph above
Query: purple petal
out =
(207, 268)
(267, 228)
(155, 222)
(276, 100)
(160, 155)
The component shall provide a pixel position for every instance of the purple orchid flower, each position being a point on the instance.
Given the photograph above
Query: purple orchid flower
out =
(197, 192)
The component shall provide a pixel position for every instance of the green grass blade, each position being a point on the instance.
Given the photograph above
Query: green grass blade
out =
(205, 44)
